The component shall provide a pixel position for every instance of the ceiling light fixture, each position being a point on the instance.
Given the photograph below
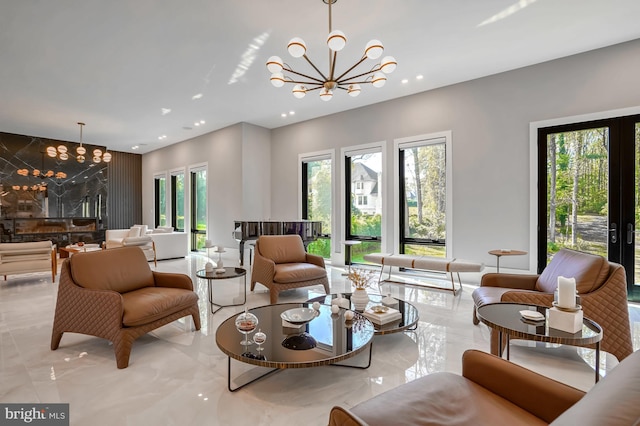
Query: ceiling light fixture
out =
(81, 149)
(336, 41)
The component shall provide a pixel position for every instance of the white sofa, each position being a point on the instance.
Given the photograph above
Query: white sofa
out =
(169, 244)
(134, 236)
(22, 258)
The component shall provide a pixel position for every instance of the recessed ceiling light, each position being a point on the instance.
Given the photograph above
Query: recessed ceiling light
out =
(404, 81)
(135, 147)
(292, 113)
(197, 96)
(419, 77)
(196, 124)
(202, 121)
(165, 111)
(162, 137)
(283, 115)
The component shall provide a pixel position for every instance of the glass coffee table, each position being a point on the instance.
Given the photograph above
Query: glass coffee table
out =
(505, 319)
(408, 322)
(327, 339)
(229, 272)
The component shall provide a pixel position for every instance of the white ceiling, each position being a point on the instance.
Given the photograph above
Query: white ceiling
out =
(116, 64)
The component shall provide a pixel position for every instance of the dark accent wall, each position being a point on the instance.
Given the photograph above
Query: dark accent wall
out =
(125, 190)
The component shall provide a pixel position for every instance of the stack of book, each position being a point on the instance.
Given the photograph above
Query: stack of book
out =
(381, 318)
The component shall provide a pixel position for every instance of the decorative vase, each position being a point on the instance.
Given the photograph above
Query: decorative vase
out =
(360, 299)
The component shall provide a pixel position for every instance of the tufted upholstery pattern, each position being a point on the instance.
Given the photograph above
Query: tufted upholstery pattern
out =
(605, 302)
(280, 263)
(493, 391)
(97, 310)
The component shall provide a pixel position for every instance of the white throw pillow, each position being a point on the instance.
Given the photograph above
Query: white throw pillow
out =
(134, 231)
(143, 229)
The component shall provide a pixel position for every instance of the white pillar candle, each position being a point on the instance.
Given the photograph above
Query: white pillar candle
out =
(566, 292)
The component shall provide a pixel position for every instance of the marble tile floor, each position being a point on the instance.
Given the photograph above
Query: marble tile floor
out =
(178, 377)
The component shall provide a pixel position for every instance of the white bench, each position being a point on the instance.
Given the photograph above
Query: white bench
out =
(427, 263)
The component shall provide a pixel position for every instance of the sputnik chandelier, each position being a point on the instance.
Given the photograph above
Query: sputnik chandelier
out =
(327, 83)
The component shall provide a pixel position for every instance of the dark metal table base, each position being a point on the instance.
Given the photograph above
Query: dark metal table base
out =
(220, 306)
(280, 369)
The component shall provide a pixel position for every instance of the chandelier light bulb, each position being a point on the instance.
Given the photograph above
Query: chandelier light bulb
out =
(299, 91)
(64, 156)
(297, 48)
(277, 79)
(97, 152)
(379, 79)
(326, 95)
(81, 150)
(80, 158)
(106, 157)
(374, 49)
(51, 151)
(354, 90)
(388, 64)
(336, 40)
(62, 149)
(96, 159)
(274, 64)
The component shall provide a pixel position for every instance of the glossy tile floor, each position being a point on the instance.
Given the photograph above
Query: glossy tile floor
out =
(179, 377)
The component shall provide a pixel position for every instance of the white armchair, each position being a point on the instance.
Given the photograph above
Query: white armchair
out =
(134, 236)
(22, 258)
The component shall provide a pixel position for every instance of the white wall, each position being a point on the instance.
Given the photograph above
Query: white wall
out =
(489, 121)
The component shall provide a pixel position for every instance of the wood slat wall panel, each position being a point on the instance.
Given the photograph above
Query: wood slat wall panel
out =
(124, 205)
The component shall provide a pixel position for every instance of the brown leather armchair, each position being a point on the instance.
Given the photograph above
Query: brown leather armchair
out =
(115, 295)
(494, 391)
(281, 263)
(602, 286)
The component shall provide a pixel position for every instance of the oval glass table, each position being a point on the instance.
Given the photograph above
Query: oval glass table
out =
(505, 319)
(327, 339)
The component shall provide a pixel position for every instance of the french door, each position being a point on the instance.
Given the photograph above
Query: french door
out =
(589, 192)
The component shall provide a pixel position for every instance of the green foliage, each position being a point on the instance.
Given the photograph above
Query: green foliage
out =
(320, 247)
(366, 225)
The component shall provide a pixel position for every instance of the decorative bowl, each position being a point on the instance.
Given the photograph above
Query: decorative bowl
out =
(298, 315)
(379, 309)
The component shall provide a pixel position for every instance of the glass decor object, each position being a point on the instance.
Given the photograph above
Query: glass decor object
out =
(246, 322)
(259, 338)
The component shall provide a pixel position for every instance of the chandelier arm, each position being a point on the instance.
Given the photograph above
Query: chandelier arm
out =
(343, 81)
(306, 83)
(355, 82)
(314, 88)
(351, 69)
(314, 67)
(305, 75)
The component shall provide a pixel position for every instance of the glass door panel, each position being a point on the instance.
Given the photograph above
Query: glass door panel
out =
(160, 201)
(364, 204)
(317, 202)
(577, 191)
(589, 191)
(177, 201)
(198, 209)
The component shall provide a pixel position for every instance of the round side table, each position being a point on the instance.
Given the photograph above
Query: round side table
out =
(505, 252)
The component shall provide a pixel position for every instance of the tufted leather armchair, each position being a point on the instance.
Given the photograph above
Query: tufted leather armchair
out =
(115, 295)
(281, 263)
(602, 286)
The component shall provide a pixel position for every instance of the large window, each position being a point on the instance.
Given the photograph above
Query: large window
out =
(160, 189)
(198, 208)
(177, 201)
(317, 200)
(423, 197)
(363, 177)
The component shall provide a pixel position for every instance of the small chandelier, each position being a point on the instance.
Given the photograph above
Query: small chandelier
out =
(327, 83)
